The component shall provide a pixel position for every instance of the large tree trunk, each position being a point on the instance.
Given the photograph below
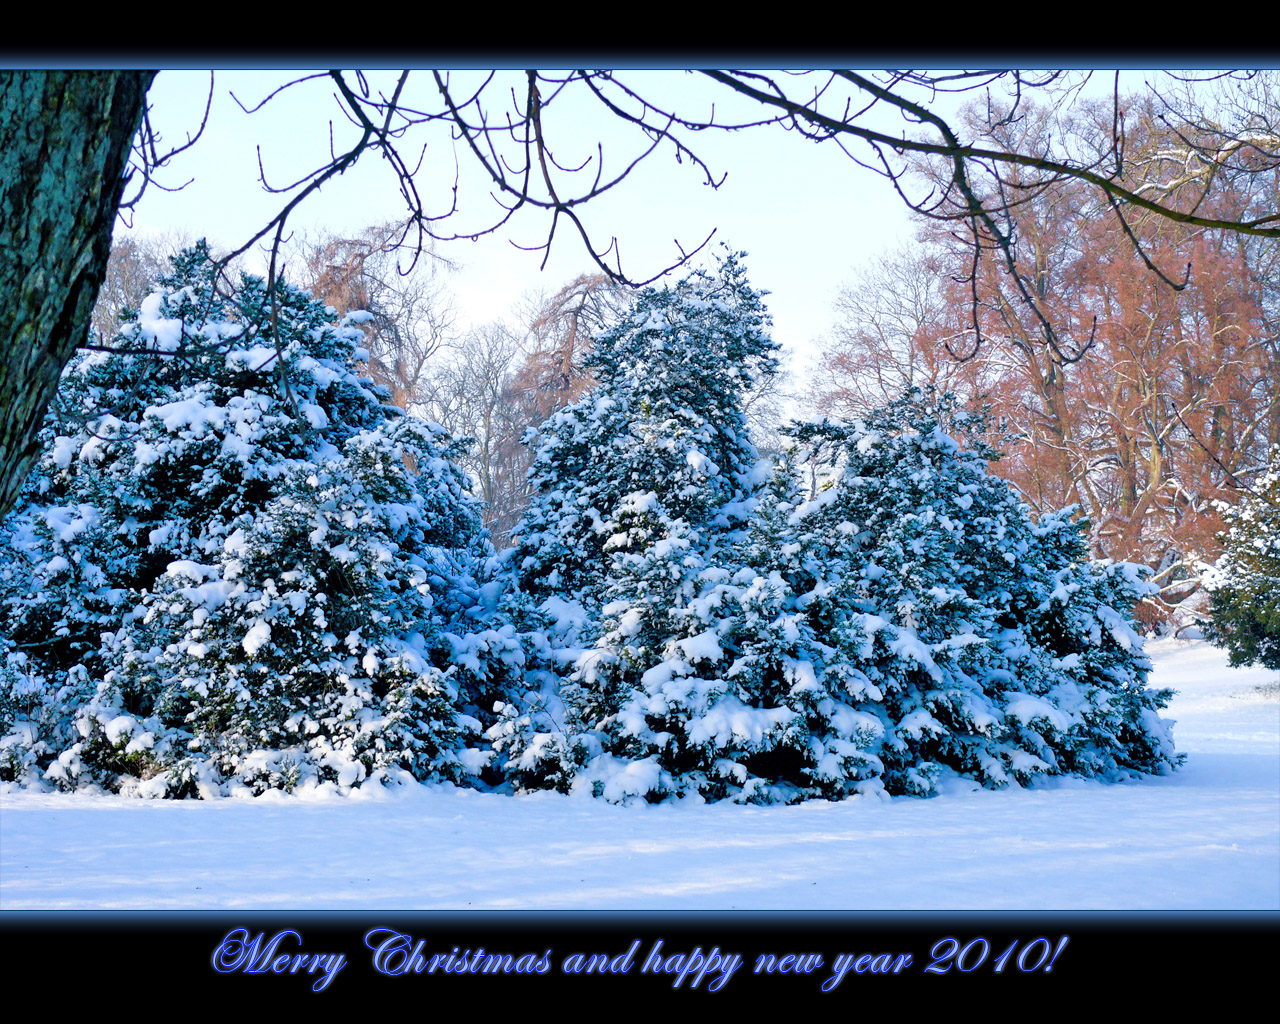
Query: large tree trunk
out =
(64, 143)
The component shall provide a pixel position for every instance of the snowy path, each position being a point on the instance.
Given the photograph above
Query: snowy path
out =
(1207, 837)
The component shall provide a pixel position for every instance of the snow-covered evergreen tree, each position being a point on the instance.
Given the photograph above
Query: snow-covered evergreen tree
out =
(241, 568)
(664, 419)
(1244, 598)
(985, 643)
(635, 483)
(769, 727)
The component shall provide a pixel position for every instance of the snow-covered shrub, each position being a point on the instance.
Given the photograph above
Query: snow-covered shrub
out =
(1244, 601)
(983, 642)
(639, 485)
(237, 567)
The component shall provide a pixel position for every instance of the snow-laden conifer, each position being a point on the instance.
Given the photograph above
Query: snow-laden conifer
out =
(681, 671)
(987, 644)
(238, 568)
(1244, 600)
(662, 432)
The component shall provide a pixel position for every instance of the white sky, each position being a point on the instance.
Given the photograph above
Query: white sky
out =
(806, 214)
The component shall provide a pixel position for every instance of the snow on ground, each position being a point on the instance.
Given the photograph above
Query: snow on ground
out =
(1207, 837)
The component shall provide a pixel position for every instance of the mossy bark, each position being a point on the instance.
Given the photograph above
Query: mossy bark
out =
(64, 147)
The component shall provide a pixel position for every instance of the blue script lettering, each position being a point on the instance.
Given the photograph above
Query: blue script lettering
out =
(685, 964)
(881, 963)
(237, 952)
(391, 953)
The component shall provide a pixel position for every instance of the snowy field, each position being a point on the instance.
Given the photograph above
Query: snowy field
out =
(1207, 837)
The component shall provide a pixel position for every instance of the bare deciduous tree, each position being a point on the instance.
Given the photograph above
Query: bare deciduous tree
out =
(471, 393)
(412, 315)
(888, 336)
(560, 334)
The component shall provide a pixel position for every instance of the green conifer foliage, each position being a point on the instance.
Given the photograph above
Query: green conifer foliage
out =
(238, 567)
(1244, 602)
(908, 625)
(987, 644)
